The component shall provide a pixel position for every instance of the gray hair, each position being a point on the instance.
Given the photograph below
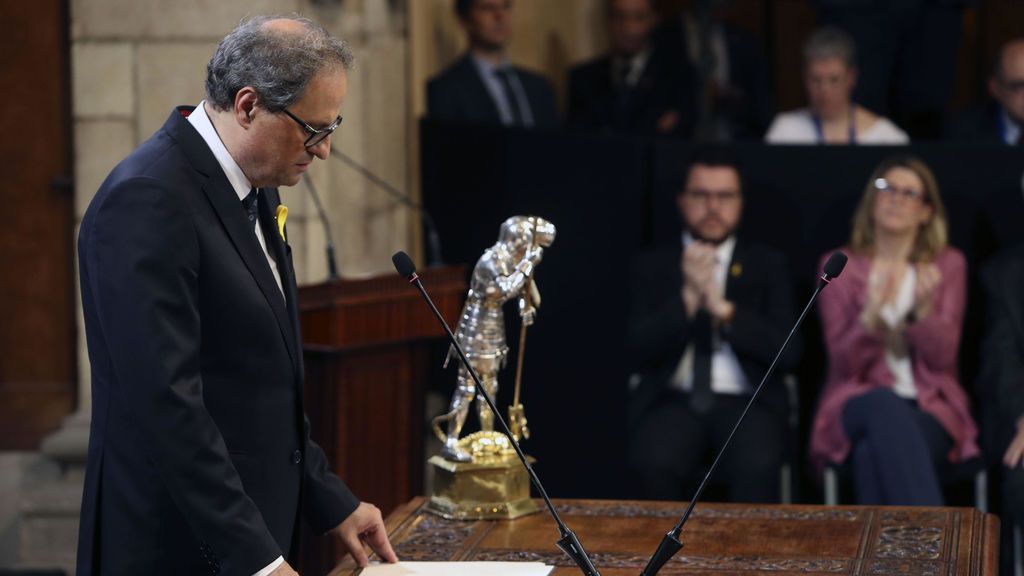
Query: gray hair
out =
(279, 65)
(830, 42)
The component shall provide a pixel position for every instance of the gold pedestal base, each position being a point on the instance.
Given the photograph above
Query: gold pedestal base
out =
(494, 489)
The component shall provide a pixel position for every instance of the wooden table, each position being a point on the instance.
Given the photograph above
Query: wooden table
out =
(719, 539)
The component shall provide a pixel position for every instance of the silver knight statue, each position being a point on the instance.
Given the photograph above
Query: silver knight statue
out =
(503, 272)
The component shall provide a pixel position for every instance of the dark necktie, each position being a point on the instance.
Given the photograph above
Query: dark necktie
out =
(505, 75)
(249, 205)
(700, 395)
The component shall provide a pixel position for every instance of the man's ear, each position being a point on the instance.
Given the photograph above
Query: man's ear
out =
(246, 101)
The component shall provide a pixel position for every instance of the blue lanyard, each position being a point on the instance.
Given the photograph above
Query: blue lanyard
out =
(821, 131)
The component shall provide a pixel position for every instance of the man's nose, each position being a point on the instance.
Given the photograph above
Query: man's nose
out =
(321, 149)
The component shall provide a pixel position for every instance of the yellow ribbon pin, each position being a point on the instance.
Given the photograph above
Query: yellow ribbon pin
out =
(282, 216)
(736, 270)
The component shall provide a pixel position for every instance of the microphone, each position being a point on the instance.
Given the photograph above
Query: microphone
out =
(332, 264)
(433, 239)
(670, 543)
(568, 542)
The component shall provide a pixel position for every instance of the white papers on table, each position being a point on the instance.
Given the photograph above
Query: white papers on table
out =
(458, 569)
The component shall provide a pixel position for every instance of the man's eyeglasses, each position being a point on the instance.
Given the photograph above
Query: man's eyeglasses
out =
(883, 186)
(705, 196)
(316, 136)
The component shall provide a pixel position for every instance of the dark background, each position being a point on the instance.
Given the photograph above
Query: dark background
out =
(611, 197)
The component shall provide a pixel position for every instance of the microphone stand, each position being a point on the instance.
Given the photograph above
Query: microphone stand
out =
(332, 263)
(433, 239)
(670, 543)
(568, 542)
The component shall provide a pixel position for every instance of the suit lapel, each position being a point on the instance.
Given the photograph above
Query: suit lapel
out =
(283, 256)
(231, 215)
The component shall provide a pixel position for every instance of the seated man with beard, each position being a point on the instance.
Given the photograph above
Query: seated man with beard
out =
(707, 316)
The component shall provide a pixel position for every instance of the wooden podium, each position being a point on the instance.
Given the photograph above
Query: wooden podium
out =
(719, 539)
(366, 345)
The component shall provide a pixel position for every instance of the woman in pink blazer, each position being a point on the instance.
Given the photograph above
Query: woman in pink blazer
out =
(892, 408)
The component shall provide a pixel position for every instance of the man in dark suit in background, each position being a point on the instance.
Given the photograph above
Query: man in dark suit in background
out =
(483, 87)
(729, 65)
(634, 88)
(1001, 386)
(708, 314)
(200, 460)
(1002, 118)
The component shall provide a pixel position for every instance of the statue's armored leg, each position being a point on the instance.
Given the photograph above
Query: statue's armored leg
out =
(459, 409)
(483, 411)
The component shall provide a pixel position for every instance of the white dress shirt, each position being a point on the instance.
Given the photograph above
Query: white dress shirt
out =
(896, 354)
(727, 375)
(797, 127)
(1011, 129)
(201, 122)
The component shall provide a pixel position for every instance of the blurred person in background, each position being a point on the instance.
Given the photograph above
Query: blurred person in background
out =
(708, 313)
(634, 88)
(483, 86)
(892, 410)
(1002, 118)
(832, 117)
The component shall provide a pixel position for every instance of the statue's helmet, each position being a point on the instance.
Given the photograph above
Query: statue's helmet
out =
(522, 232)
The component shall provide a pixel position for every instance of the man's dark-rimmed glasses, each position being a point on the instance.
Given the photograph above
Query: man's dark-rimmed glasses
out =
(316, 136)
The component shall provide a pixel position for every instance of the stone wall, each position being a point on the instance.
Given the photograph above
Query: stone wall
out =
(132, 62)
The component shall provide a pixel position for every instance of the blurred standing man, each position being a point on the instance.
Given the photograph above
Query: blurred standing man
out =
(200, 460)
(1002, 119)
(633, 89)
(483, 87)
(707, 315)
(1001, 383)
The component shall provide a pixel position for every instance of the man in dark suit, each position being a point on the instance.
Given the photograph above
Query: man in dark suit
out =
(1001, 119)
(200, 460)
(633, 89)
(483, 87)
(1001, 385)
(707, 315)
(730, 63)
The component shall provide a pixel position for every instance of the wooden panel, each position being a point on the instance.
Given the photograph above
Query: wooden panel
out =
(719, 539)
(37, 351)
(351, 314)
(366, 344)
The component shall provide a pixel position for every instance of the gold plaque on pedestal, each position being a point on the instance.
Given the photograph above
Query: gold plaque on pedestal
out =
(495, 485)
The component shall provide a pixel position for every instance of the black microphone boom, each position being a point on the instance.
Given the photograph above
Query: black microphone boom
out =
(433, 239)
(332, 263)
(568, 542)
(670, 543)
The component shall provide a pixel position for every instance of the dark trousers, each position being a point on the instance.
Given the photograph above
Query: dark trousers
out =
(672, 444)
(895, 448)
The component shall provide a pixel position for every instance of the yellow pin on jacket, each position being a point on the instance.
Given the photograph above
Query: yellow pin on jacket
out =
(281, 217)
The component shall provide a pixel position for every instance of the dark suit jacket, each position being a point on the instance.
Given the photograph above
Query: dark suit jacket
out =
(199, 456)
(596, 102)
(658, 331)
(458, 93)
(1001, 382)
(748, 109)
(976, 124)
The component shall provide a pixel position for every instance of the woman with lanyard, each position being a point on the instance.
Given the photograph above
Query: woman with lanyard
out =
(830, 74)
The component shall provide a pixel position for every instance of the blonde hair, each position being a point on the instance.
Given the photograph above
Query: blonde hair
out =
(932, 237)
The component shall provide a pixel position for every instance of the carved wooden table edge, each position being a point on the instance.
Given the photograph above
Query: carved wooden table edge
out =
(932, 546)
